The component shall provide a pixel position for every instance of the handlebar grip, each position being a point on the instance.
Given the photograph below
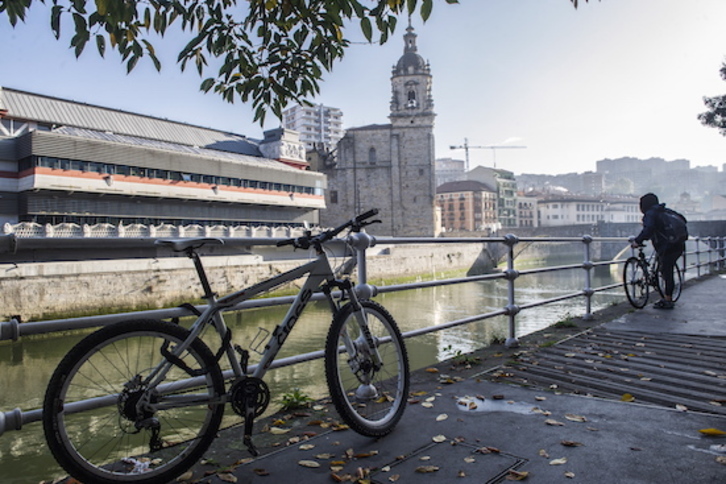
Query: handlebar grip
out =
(285, 242)
(370, 213)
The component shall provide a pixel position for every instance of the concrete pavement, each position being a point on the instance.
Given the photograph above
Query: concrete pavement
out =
(515, 432)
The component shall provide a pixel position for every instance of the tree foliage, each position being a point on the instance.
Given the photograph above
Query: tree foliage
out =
(715, 117)
(269, 52)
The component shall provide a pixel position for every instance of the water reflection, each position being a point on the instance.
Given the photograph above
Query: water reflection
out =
(26, 366)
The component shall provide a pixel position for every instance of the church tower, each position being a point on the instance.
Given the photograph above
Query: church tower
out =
(390, 166)
(411, 100)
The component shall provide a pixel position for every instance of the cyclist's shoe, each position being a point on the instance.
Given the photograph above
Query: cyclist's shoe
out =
(663, 304)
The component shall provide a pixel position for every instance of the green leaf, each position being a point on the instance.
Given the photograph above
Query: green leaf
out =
(426, 8)
(367, 28)
(101, 44)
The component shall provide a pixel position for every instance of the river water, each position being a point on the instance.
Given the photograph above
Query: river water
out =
(26, 365)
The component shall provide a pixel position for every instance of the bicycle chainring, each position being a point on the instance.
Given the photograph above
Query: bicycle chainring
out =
(249, 390)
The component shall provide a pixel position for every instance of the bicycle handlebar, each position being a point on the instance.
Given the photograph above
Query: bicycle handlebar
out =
(355, 224)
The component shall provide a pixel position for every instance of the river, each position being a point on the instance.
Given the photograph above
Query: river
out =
(26, 365)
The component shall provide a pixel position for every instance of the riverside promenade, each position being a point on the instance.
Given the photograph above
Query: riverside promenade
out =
(467, 420)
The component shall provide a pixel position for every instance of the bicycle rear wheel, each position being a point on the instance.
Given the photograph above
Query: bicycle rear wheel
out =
(370, 399)
(677, 280)
(102, 423)
(635, 280)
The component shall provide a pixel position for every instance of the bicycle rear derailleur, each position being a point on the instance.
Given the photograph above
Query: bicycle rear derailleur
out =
(249, 397)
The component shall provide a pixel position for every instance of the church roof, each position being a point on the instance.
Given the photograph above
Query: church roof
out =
(464, 186)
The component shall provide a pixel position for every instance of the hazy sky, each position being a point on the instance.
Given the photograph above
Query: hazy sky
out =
(612, 78)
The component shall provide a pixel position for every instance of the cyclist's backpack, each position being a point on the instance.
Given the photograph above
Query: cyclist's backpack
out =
(674, 228)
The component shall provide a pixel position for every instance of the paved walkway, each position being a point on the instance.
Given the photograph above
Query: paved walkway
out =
(534, 430)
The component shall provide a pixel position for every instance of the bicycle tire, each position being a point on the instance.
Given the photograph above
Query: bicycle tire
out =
(635, 281)
(372, 402)
(103, 444)
(678, 283)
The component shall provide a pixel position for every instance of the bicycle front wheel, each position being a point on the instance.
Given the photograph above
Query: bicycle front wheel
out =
(635, 280)
(369, 396)
(677, 283)
(104, 424)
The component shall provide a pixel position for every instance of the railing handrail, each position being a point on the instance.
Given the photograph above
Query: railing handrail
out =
(13, 329)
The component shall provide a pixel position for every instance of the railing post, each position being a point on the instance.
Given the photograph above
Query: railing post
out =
(698, 256)
(361, 241)
(511, 274)
(587, 290)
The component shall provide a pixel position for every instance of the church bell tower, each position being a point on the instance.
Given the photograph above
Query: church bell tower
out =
(411, 100)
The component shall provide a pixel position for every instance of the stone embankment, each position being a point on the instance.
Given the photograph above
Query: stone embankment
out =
(64, 289)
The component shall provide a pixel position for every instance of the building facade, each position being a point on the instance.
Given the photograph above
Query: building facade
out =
(449, 170)
(506, 186)
(320, 127)
(572, 210)
(63, 161)
(390, 166)
(468, 206)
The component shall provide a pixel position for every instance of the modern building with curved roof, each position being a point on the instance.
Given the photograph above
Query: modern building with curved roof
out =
(65, 161)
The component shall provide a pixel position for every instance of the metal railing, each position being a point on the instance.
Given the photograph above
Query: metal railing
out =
(708, 253)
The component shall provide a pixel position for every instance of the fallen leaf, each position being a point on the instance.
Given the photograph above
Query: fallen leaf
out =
(432, 370)
(424, 458)
(307, 447)
(324, 456)
(575, 418)
(517, 476)
(540, 399)
(439, 438)
(682, 408)
(553, 422)
(571, 443)
(426, 469)
(278, 431)
(227, 477)
(558, 462)
(712, 432)
(442, 417)
(261, 472)
(570, 475)
(394, 477)
(721, 459)
(543, 453)
(187, 476)
(469, 460)
(461, 474)
(309, 463)
(627, 397)
(427, 405)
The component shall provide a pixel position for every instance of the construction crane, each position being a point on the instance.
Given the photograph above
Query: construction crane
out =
(494, 149)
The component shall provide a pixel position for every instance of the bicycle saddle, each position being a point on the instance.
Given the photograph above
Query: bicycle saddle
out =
(180, 245)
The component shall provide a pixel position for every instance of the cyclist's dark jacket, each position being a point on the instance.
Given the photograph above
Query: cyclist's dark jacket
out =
(652, 228)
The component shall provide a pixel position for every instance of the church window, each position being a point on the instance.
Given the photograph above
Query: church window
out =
(372, 156)
(333, 196)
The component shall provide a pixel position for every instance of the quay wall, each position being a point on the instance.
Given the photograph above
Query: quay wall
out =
(70, 288)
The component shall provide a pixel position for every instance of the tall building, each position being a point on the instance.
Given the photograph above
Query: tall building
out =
(64, 161)
(318, 125)
(506, 186)
(391, 166)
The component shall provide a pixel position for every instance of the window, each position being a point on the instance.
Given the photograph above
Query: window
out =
(333, 196)
(372, 156)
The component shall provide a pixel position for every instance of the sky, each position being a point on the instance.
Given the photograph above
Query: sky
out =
(610, 79)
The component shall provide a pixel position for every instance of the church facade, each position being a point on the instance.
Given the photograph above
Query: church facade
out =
(390, 166)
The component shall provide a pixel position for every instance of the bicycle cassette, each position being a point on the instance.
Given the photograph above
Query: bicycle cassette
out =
(249, 391)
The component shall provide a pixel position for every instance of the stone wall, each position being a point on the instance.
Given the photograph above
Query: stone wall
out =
(66, 289)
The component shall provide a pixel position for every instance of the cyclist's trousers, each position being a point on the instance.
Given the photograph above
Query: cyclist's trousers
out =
(668, 260)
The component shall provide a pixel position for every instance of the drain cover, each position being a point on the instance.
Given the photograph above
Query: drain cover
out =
(437, 462)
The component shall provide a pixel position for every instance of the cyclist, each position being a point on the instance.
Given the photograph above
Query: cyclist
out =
(668, 245)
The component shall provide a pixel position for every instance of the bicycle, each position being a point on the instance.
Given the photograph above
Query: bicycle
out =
(141, 400)
(641, 273)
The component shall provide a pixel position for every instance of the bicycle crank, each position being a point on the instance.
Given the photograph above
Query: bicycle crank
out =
(249, 398)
